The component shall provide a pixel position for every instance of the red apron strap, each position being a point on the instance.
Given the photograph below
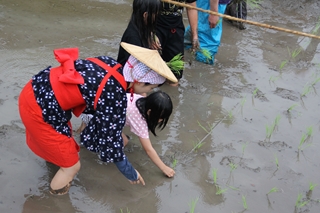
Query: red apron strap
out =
(111, 71)
(115, 74)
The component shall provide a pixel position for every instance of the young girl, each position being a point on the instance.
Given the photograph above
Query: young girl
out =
(170, 31)
(96, 86)
(149, 113)
(146, 114)
(141, 27)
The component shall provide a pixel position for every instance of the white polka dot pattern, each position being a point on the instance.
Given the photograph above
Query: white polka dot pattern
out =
(134, 119)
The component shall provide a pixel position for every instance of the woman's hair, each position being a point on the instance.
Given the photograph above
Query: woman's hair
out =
(160, 105)
(146, 29)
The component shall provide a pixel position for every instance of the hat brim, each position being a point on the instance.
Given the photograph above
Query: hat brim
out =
(150, 58)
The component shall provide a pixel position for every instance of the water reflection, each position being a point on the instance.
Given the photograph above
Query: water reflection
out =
(197, 108)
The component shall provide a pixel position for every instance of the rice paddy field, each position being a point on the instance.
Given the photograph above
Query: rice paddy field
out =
(243, 136)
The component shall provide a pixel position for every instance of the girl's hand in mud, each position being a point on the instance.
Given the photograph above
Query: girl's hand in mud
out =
(139, 180)
(168, 172)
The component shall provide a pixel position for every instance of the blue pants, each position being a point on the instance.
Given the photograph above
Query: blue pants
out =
(209, 39)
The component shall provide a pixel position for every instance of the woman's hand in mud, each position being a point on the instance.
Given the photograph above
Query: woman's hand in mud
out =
(139, 180)
(195, 45)
(168, 172)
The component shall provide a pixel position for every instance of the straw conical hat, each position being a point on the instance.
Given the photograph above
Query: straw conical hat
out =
(150, 58)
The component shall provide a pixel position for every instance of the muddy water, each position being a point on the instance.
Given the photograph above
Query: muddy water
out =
(225, 107)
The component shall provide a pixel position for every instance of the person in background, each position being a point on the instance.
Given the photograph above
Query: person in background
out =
(170, 31)
(96, 86)
(209, 30)
(238, 9)
(145, 114)
(141, 28)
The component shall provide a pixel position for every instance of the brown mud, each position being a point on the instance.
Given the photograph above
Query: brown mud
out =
(226, 107)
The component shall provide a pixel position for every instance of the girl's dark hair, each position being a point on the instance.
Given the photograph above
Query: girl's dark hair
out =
(160, 105)
(146, 30)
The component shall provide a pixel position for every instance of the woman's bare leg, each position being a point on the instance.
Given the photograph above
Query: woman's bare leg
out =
(61, 181)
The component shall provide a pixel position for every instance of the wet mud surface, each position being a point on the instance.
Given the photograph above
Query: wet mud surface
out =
(244, 117)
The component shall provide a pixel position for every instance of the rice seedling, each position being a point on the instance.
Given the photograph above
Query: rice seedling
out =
(210, 126)
(230, 114)
(270, 129)
(276, 121)
(276, 161)
(220, 191)
(306, 90)
(277, 164)
(243, 101)
(192, 205)
(254, 3)
(128, 211)
(206, 53)
(302, 140)
(254, 93)
(201, 142)
(312, 186)
(274, 189)
(244, 202)
(210, 104)
(176, 64)
(291, 107)
(316, 28)
(315, 81)
(299, 202)
(205, 129)
(302, 143)
(174, 163)
(295, 52)
(197, 146)
(215, 175)
(244, 146)
(274, 78)
(234, 188)
(232, 166)
(218, 22)
(283, 63)
(309, 131)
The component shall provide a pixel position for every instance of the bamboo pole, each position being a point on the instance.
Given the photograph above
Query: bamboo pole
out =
(242, 20)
